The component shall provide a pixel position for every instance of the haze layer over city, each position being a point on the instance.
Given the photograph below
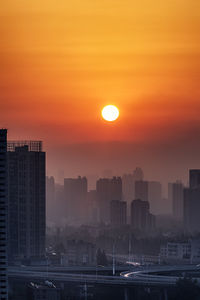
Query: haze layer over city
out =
(99, 150)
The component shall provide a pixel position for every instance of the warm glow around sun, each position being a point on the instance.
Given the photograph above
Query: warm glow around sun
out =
(110, 113)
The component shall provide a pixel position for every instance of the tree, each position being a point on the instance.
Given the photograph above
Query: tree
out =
(186, 289)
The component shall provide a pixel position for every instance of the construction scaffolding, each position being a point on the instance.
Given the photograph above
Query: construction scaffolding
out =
(35, 146)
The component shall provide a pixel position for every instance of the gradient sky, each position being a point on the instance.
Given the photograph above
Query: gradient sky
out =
(62, 61)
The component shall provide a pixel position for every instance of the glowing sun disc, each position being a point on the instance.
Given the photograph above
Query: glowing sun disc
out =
(110, 113)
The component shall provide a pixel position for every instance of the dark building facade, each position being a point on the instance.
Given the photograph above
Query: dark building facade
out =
(155, 197)
(107, 190)
(3, 215)
(26, 200)
(51, 205)
(192, 202)
(177, 200)
(141, 190)
(141, 219)
(75, 193)
(118, 213)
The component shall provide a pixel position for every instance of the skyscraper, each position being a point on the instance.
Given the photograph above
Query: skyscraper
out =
(140, 217)
(26, 200)
(51, 205)
(118, 213)
(141, 190)
(107, 190)
(75, 193)
(3, 215)
(192, 202)
(194, 178)
(155, 197)
(177, 200)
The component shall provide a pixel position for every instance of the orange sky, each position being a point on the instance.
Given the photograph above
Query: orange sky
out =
(61, 61)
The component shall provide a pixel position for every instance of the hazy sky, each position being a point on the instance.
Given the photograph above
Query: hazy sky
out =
(62, 61)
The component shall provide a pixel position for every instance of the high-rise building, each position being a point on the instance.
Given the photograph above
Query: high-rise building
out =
(3, 215)
(140, 217)
(138, 174)
(192, 202)
(194, 178)
(51, 205)
(75, 193)
(107, 190)
(177, 200)
(118, 213)
(141, 190)
(26, 200)
(92, 211)
(128, 187)
(155, 197)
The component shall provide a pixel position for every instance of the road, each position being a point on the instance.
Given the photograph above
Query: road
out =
(145, 276)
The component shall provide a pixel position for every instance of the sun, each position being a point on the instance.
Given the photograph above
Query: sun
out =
(110, 113)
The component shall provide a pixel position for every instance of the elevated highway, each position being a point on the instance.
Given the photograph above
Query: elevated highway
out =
(146, 276)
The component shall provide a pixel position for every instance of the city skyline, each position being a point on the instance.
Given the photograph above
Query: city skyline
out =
(62, 62)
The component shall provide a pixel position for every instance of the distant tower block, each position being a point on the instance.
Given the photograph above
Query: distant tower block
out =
(3, 215)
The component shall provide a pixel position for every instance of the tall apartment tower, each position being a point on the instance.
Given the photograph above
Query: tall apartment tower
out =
(26, 200)
(177, 200)
(107, 190)
(192, 203)
(118, 213)
(75, 193)
(140, 217)
(141, 190)
(3, 215)
(155, 197)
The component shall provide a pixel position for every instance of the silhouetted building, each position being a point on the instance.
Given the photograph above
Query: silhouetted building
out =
(118, 213)
(46, 290)
(3, 215)
(141, 190)
(75, 191)
(26, 199)
(177, 200)
(51, 206)
(155, 197)
(192, 203)
(140, 217)
(61, 206)
(107, 190)
(194, 179)
(170, 198)
(128, 190)
(92, 210)
(138, 174)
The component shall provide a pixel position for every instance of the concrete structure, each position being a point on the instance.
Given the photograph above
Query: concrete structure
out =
(140, 217)
(26, 200)
(51, 205)
(188, 251)
(192, 203)
(176, 190)
(155, 197)
(107, 190)
(176, 251)
(3, 215)
(43, 291)
(141, 190)
(194, 178)
(138, 174)
(92, 210)
(118, 213)
(75, 193)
